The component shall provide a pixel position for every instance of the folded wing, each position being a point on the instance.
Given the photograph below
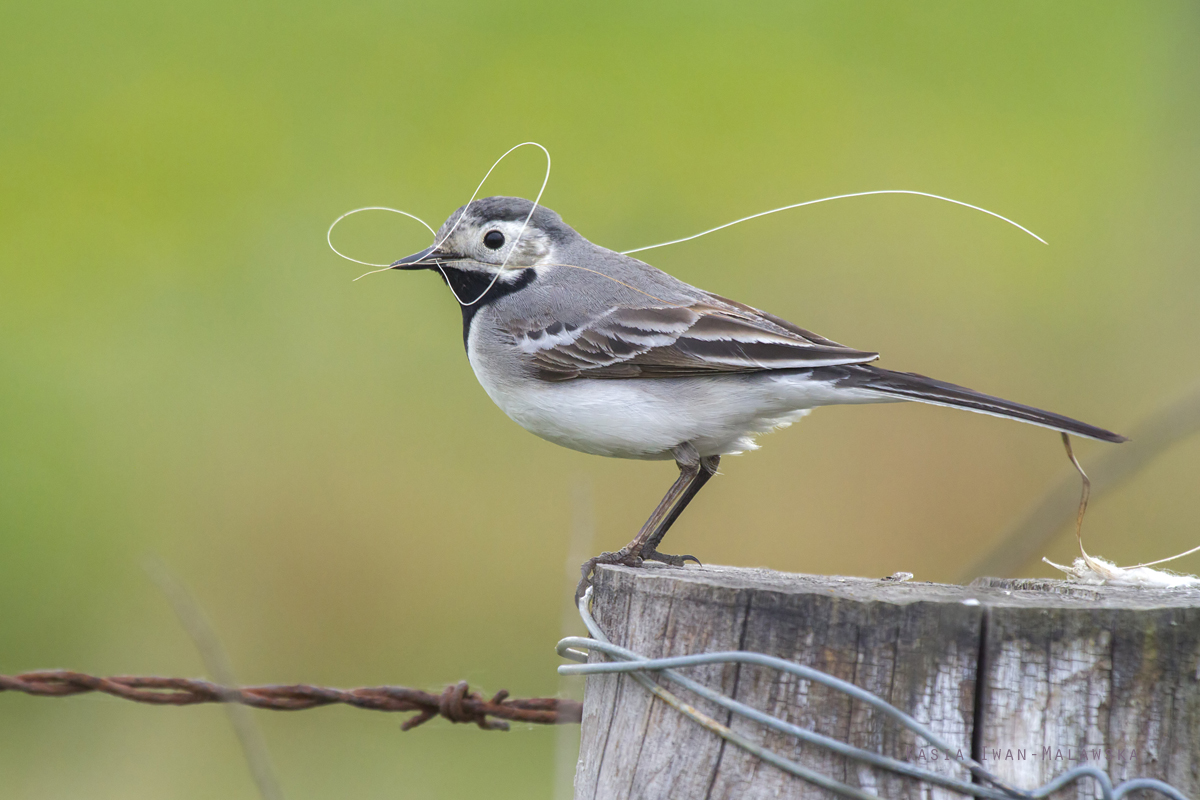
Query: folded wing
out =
(676, 341)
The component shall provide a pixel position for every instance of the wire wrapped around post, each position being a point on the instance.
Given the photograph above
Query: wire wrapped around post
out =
(985, 784)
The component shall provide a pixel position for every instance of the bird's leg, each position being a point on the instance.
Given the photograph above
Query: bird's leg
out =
(708, 468)
(693, 473)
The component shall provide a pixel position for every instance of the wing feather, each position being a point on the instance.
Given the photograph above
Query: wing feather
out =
(676, 341)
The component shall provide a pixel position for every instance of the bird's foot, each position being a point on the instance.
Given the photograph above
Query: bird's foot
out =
(650, 554)
(624, 556)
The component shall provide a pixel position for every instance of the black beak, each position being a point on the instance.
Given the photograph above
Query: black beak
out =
(421, 260)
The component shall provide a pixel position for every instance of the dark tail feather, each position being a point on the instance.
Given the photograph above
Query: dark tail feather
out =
(910, 386)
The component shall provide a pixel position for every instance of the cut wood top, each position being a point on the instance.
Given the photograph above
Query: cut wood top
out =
(1030, 677)
(989, 592)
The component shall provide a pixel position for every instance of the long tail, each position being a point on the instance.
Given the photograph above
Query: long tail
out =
(910, 386)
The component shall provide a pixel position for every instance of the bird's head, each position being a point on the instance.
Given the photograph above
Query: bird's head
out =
(490, 236)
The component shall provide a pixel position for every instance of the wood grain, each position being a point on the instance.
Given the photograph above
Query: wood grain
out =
(1091, 675)
(1059, 667)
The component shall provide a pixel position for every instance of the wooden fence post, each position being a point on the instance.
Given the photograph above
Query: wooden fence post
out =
(1030, 677)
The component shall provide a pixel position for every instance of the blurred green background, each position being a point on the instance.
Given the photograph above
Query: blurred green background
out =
(186, 370)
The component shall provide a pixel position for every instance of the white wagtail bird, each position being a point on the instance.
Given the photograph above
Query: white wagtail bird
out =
(603, 353)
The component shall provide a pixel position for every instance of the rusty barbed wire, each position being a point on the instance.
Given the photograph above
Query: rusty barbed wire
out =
(457, 703)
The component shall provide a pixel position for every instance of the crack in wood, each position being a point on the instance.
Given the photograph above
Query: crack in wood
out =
(1029, 677)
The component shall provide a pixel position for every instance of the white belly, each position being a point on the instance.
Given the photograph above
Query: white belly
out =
(645, 418)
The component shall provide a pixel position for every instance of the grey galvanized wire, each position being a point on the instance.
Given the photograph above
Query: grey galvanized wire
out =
(638, 667)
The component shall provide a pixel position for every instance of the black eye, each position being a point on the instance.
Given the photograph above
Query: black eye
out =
(494, 240)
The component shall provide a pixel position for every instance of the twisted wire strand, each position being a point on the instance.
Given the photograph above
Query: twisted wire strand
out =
(639, 669)
(460, 705)
(457, 703)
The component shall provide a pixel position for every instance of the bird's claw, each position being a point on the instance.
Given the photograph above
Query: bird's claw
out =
(624, 557)
(650, 554)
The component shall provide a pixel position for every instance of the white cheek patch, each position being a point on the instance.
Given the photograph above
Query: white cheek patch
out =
(519, 248)
(531, 247)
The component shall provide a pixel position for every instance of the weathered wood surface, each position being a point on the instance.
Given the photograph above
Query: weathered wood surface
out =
(1062, 674)
(1091, 675)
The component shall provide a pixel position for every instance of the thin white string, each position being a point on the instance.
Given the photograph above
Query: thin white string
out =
(1165, 560)
(436, 244)
(826, 199)
(329, 233)
(516, 241)
(537, 202)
